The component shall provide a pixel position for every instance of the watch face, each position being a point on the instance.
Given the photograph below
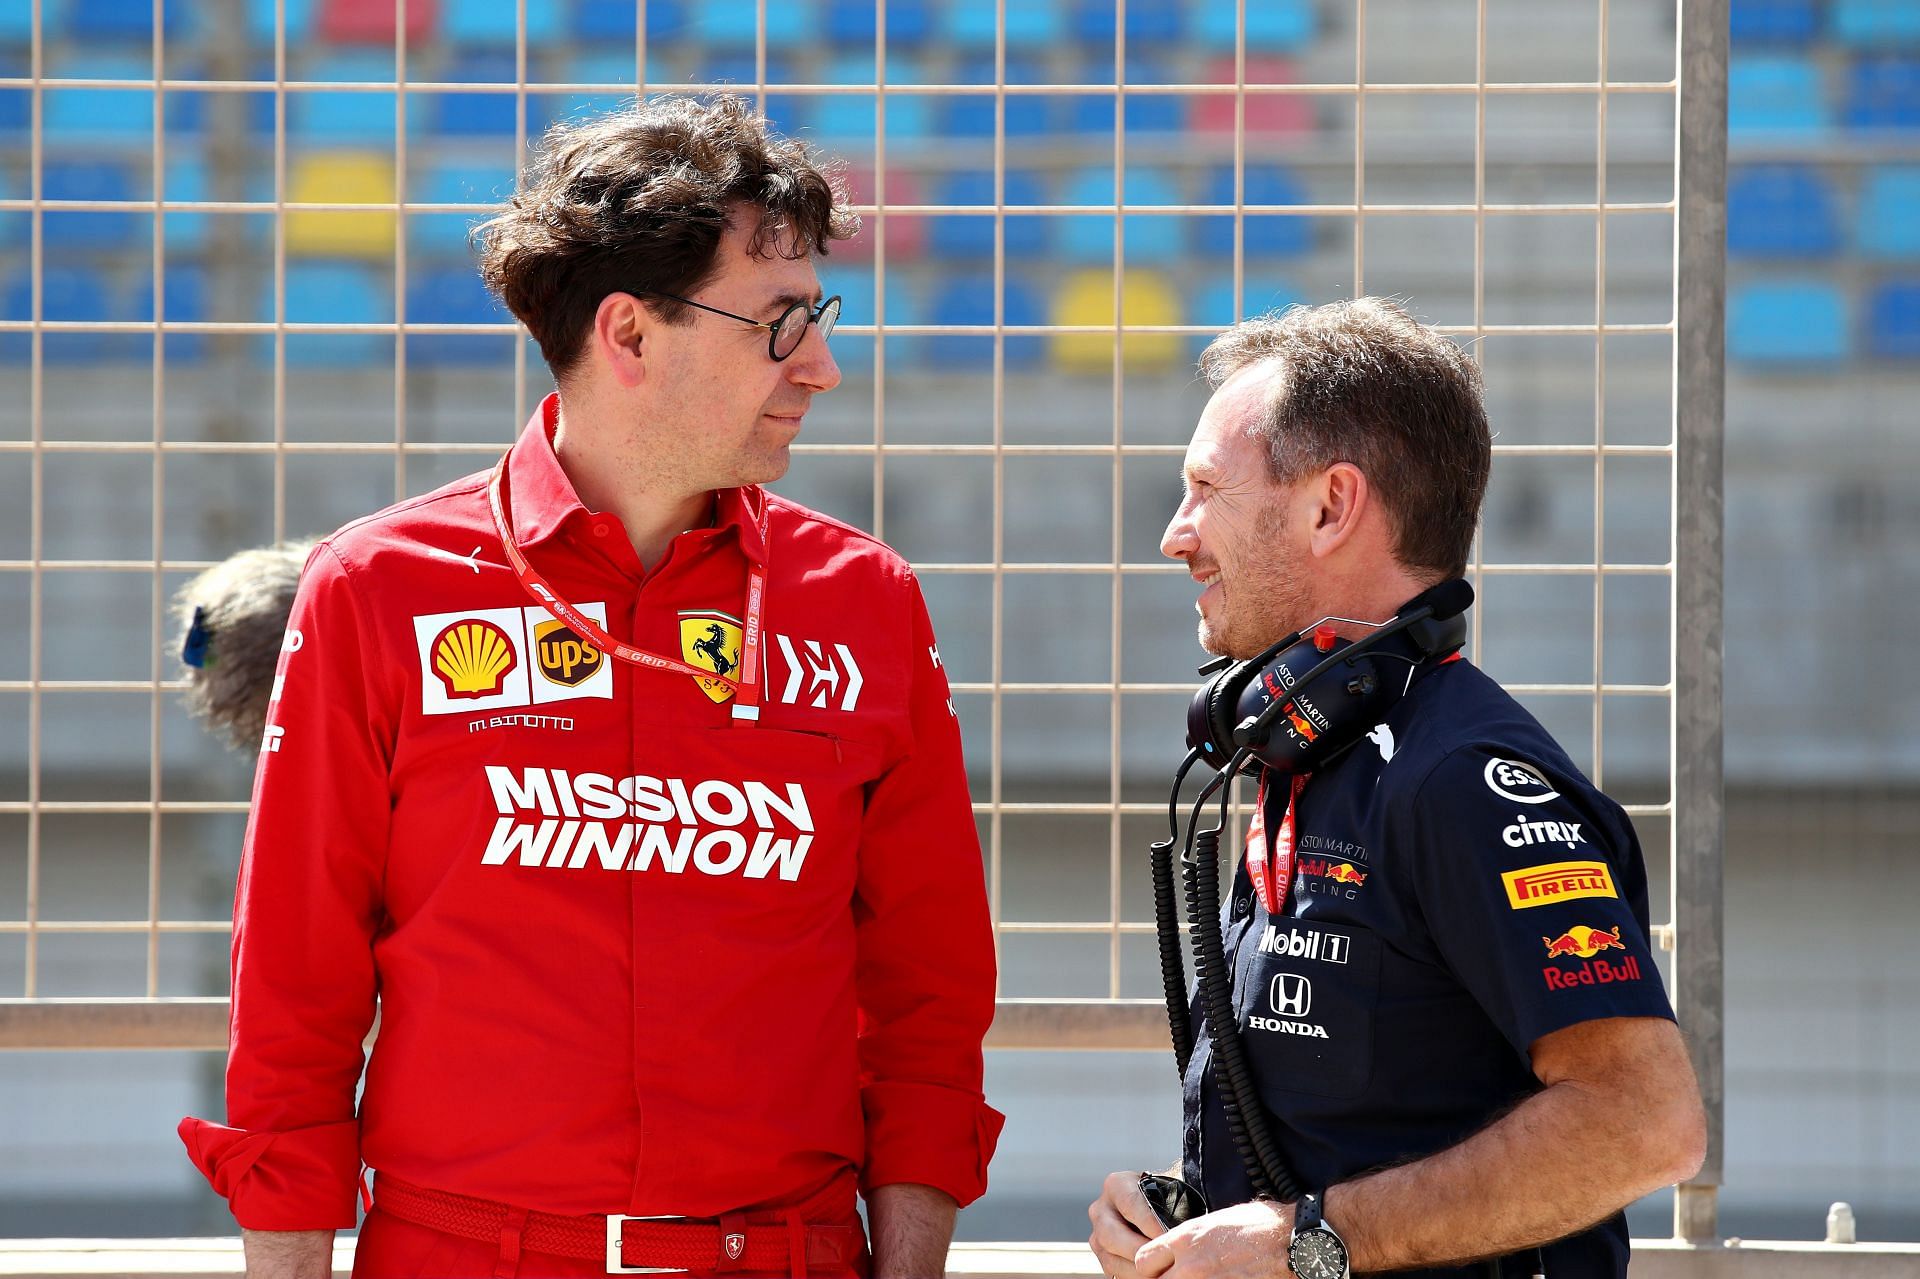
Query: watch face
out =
(1318, 1254)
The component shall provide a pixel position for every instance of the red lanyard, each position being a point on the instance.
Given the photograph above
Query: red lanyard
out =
(746, 689)
(1272, 868)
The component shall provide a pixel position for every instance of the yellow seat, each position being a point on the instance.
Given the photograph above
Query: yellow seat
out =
(342, 177)
(1087, 298)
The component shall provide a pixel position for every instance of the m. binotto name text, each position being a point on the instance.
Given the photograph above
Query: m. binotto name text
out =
(550, 817)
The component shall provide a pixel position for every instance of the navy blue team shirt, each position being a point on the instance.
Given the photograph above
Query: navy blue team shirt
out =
(1459, 890)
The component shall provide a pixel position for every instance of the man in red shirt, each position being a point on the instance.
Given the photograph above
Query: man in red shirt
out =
(632, 792)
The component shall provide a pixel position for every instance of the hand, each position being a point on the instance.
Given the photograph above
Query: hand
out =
(1248, 1239)
(1122, 1221)
(288, 1254)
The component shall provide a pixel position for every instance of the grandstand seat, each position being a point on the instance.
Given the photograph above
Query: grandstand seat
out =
(1888, 222)
(331, 293)
(187, 181)
(1784, 210)
(789, 112)
(1031, 24)
(1271, 114)
(1262, 236)
(1088, 237)
(969, 300)
(909, 22)
(850, 118)
(1271, 24)
(726, 24)
(454, 295)
(605, 67)
(1787, 322)
(604, 20)
(972, 115)
(956, 235)
(1774, 94)
(906, 235)
(444, 235)
(1148, 21)
(1884, 93)
(341, 177)
(372, 21)
(479, 114)
(1086, 297)
(1774, 21)
(1213, 305)
(16, 227)
(299, 19)
(111, 115)
(186, 302)
(67, 293)
(16, 24)
(90, 20)
(90, 180)
(16, 105)
(496, 23)
(339, 115)
(1893, 320)
(855, 285)
(1876, 24)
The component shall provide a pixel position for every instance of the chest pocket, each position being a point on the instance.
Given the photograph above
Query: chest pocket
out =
(1306, 996)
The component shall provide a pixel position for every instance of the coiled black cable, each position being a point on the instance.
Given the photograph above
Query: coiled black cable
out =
(1246, 1119)
(1166, 924)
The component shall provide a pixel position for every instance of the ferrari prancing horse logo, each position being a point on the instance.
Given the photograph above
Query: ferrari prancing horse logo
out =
(712, 640)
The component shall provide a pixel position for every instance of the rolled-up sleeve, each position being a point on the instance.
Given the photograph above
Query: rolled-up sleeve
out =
(305, 913)
(926, 965)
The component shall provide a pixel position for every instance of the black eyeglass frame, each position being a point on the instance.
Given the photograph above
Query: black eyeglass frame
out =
(815, 315)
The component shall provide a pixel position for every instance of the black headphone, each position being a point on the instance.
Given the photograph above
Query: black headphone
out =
(1312, 695)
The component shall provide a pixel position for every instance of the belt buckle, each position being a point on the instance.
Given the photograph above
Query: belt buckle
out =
(614, 1264)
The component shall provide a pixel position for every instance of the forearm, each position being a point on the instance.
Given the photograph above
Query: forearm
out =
(911, 1227)
(1561, 1161)
(288, 1254)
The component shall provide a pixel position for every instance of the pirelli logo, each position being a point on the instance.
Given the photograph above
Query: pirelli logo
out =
(1557, 882)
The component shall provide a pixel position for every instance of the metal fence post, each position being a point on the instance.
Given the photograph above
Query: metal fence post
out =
(1699, 352)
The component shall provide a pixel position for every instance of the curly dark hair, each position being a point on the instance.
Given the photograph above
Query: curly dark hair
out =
(637, 199)
(1366, 383)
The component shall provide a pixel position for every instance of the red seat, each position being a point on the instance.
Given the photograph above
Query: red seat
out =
(1267, 113)
(906, 233)
(371, 21)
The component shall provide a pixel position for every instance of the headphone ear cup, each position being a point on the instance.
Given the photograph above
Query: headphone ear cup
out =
(1223, 697)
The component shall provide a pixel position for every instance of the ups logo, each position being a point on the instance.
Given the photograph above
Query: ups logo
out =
(562, 656)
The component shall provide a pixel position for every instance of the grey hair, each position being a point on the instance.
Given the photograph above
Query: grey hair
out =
(243, 604)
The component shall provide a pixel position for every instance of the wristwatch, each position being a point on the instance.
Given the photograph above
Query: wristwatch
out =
(1315, 1251)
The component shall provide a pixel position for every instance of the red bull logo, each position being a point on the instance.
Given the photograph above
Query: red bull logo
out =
(1301, 728)
(1583, 942)
(1343, 873)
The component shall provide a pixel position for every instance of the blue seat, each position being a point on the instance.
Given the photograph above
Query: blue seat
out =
(789, 112)
(116, 115)
(972, 115)
(89, 20)
(16, 24)
(1267, 235)
(15, 227)
(909, 22)
(90, 180)
(340, 116)
(1790, 322)
(608, 67)
(1884, 93)
(1213, 305)
(299, 20)
(850, 118)
(1893, 320)
(1888, 222)
(855, 285)
(454, 296)
(1785, 210)
(187, 180)
(68, 293)
(16, 105)
(1148, 21)
(1271, 25)
(725, 23)
(1876, 24)
(602, 20)
(968, 299)
(496, 23)
(1031, 24)
(1774, 21)
(187, 301)
(444, 235)
(323, 292)
(1088, 237)
(479, 114)
(969, 235)
(1774, 94)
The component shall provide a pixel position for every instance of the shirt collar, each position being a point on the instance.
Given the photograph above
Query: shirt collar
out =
(542, 500)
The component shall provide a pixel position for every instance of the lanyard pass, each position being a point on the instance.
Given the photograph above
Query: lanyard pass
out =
(1270, 863)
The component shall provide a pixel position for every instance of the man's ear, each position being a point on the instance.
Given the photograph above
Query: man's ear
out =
(621, 326)
(1342, 499)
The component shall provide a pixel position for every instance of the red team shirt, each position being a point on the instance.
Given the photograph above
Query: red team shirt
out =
(631, 955)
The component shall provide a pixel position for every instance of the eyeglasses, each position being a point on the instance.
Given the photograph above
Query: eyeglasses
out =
(785, 334)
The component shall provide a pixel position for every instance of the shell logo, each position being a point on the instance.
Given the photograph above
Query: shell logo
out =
(472, 658)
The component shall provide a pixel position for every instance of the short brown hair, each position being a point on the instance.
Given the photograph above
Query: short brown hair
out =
(1364, 382)
(638, 199)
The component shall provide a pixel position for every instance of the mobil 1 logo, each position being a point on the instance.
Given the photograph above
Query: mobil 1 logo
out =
(1289, 939)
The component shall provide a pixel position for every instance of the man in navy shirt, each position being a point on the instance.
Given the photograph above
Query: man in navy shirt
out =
(1446, 993)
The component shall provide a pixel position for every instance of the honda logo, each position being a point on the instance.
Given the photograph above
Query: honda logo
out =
(1292, 995)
